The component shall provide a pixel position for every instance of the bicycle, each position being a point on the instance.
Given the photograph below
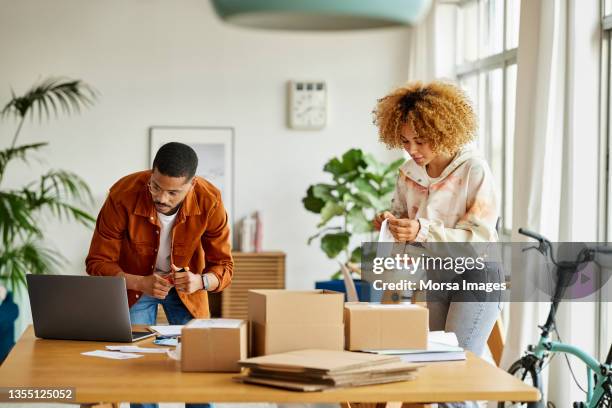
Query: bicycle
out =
(528, 367)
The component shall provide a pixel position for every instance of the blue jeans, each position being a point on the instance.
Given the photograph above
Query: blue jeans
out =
(145, 312)
(471, 318)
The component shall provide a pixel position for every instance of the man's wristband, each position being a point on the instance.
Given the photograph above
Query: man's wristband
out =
(205, 282)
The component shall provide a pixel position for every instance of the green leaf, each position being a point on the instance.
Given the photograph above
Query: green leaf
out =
(356, 199)
(335, 167)
(356, 255)
(375, 177)
(16, 218)
(352, 160)
(364, 186)
(364, 198)
(337, 276)
(373, 165)
(351, 175)
(386, 190)
(329, 211)
(69, 94)
(323, 191)
(377, 203)
(357, 219)
(312, 203)
(18, 152)
(393, 167)
(318, 234)
(333, 244)
(30, 257)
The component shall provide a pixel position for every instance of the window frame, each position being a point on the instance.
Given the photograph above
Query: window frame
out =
(605, 184)
(502, 60)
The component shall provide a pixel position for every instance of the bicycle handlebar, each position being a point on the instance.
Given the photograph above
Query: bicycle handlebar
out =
(545, 246)
(532, 234)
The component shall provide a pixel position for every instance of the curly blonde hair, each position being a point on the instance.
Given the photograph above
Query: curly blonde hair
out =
(439, 112)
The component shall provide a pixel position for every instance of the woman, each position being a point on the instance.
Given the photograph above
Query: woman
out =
(444, 193)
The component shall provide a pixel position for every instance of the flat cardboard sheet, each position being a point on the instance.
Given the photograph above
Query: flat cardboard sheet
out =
(324, 361)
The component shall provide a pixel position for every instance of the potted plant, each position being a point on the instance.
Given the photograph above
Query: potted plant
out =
(361, 186)
(56, 192)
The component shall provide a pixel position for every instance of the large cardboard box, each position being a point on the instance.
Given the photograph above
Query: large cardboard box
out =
(213, 345)
(372, 326)
(286, 320)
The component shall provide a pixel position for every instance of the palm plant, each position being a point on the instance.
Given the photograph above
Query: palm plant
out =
(57, 192)
(361, 187)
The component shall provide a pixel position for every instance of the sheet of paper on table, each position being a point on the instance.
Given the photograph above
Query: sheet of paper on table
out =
(168, 330)
(138, 349)
(114, 355)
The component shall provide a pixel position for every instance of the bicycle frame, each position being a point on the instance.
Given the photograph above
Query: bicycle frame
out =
(596, 372)
(599, 378)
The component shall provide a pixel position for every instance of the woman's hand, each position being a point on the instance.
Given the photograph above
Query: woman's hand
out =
(404, 229)
(380, 218)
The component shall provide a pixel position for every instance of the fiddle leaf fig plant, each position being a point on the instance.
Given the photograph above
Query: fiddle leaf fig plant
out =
(360, 187)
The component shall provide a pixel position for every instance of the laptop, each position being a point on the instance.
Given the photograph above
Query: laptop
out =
(72, 307)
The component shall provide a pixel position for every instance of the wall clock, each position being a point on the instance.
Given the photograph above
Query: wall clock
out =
(307, 105)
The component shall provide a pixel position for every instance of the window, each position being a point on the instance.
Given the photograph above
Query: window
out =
(606, 179)
(487, 41)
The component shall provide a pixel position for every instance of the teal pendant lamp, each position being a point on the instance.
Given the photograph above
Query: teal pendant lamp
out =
(316, 15)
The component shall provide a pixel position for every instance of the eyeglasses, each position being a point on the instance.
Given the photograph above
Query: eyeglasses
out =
(155, 190)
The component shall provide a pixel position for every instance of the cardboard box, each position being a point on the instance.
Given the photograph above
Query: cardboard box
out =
(372, 326)
(213, 345)
(285, 320)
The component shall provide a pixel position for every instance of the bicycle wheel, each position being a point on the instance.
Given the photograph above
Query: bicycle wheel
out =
(526, 370)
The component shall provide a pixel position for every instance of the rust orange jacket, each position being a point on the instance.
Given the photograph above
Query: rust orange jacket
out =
(126, 237)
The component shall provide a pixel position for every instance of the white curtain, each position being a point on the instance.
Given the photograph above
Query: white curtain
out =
(538, 149)
(422, 48)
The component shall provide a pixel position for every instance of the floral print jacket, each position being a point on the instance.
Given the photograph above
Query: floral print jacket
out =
(461, 205)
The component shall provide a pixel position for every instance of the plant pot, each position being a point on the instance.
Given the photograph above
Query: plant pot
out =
(362, 287)
(8, 314)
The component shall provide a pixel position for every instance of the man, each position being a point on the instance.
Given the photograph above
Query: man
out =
(166, 231)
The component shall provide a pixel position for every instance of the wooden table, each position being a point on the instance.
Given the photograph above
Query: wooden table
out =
(156, 378)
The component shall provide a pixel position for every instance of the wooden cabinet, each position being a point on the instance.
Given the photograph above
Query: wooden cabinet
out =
(261, 270)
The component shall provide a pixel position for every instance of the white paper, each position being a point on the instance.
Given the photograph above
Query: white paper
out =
(385, 235)
(215, 323)
(430, 357)
(138, 349)
(442, 337)
(438, 342)
(384, 251)
(168, 330)
(114, 355)
(175, 354)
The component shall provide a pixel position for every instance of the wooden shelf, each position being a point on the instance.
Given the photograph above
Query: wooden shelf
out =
(257, 270)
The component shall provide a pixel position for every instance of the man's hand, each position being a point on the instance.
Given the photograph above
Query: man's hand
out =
(404, 229)
(154, 285)
(380, 218)
(187, 281)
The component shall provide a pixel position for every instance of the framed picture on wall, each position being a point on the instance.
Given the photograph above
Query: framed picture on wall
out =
(215, 149)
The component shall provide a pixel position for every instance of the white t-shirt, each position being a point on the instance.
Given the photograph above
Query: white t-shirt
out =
(162, 265)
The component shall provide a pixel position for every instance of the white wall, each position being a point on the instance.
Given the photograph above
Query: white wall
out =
(159, 62)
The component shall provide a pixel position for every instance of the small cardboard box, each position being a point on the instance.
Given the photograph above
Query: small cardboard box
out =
(286, 320)
(370, 326)
(213, 345)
